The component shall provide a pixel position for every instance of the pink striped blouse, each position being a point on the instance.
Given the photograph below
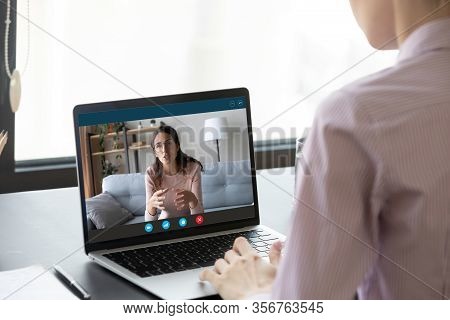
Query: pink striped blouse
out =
(372, 210)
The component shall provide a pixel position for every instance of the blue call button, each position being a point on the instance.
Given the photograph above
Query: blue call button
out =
(182, 222)
(148, 227)
(165, 224)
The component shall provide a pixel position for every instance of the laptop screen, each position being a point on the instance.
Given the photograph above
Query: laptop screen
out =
(165, 165)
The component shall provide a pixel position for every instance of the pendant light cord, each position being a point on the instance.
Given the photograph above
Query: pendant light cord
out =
(7, 23)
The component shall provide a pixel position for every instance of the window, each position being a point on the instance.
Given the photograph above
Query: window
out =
(88, 51)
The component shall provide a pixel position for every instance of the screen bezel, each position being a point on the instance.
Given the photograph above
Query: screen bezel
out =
(157, 102)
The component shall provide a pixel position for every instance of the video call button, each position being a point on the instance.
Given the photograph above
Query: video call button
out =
(148, 227)
(182, 222)
(165, 224)
(199, 219)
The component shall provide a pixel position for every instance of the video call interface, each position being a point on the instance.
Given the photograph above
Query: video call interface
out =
(151, 170)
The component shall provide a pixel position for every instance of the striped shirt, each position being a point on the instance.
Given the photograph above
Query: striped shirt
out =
(372, 208)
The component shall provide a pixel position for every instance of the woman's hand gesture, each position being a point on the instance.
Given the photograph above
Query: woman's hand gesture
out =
(185, 199)
(157, 199)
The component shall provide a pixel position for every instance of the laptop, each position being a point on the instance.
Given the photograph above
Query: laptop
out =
(159, 249)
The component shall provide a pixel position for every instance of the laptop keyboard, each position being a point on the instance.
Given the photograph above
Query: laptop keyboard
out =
(186, 255)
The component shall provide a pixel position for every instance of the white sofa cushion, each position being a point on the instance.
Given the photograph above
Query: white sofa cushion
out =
(227, 184)
(128, 190)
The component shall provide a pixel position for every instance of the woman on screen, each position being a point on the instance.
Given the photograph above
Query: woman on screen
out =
(173, 182)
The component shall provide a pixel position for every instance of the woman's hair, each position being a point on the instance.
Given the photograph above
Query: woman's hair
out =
(182, 159)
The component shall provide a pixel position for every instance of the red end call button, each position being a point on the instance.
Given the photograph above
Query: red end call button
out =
(199, 219)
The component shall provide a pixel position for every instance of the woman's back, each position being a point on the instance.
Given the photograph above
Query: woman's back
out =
(375, 207)
(411, 110)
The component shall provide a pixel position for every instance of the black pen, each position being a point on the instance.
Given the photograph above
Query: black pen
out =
(75, 286)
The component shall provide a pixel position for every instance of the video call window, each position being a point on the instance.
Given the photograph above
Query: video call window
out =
(172, 170)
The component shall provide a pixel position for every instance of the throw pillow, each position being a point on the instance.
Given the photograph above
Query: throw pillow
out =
(106, 212)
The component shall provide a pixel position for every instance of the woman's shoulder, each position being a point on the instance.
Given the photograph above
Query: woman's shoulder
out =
(193, 167)
(368, 97)
(357, 101)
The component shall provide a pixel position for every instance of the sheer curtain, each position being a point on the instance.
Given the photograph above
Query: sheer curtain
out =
(88, 51)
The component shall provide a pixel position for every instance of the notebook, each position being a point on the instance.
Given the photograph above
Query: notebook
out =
(32, 283)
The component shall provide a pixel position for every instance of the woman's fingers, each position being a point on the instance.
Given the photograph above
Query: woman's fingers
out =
(220, 265)
(179, 201)
(179, 195)
(275, 253)
(160, 206)
(211, 276)
(161, 192)
(180, 198)
(231, 256)
(241, 246)
(161, 198)
(157, 200)
(188, 196)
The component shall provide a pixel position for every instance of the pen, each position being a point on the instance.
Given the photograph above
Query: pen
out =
(75, 286)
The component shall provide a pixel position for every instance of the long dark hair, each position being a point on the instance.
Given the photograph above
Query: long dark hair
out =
(182, 159)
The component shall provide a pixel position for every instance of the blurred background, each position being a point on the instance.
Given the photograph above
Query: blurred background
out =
(283, 51)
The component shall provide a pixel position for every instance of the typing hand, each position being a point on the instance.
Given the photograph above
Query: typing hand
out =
(243, 272)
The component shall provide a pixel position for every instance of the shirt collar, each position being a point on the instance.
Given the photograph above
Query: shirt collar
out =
(431, 36)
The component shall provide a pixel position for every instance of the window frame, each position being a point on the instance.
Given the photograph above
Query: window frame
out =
(25, 175)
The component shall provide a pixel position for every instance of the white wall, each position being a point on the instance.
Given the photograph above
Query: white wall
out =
(90, 51)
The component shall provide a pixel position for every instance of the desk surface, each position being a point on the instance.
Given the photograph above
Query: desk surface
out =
(44, 227)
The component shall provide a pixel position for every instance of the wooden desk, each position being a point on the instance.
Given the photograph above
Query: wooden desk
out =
(44, 227)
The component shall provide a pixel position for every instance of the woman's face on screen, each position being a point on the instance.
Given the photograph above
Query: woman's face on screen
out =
(165, 148)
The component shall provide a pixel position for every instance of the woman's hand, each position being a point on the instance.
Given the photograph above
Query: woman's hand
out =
(157, 199)
(185, 199)
(243, 272)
